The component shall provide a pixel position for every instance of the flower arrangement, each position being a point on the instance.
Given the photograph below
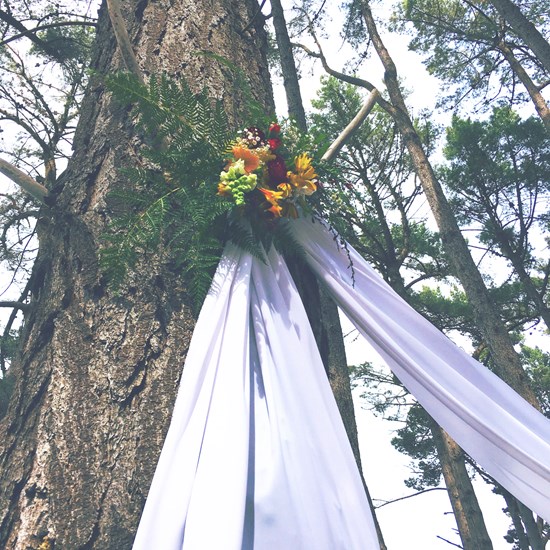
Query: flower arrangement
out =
(257, 174)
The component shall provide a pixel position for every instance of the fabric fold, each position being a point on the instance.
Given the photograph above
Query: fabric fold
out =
(198, 494)
(256, 456)
(491, 422)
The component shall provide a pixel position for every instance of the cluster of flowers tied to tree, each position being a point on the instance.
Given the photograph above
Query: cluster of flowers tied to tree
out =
(257, 175)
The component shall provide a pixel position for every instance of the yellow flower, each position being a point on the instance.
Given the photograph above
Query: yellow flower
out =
(302, 180)
(285, 189)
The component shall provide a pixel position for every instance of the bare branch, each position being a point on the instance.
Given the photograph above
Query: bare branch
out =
(346, 78)
(449, 542)
(339, 142)
(27, 183)
(123, 40)
(16, 305)
(34, 30)
(12, 21)
(385, 503)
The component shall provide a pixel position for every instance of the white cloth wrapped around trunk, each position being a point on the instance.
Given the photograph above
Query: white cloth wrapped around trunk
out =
(256, 456)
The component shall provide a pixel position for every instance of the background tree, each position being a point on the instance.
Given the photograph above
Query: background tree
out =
(44, 54)
(469, 45)
(376, 201)
(498, 176)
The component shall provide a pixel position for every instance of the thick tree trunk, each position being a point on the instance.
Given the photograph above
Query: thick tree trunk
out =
(97, 375)
(525, 30)
(467, 512)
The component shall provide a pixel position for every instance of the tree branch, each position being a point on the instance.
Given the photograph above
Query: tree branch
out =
(347, 78)
(31, 186)
(339, 142)
(13, 22)
(511, 12)
(33, 31)
(449, 542)
(123, 40)
(16, 305)
(410, 496)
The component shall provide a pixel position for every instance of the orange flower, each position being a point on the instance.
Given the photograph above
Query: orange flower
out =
(273, 198)
(224, 190)
(251, 159)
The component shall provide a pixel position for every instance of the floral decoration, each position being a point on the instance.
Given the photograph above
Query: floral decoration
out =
(257, 174)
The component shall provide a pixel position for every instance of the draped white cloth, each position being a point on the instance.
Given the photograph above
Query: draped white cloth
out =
(257, 457)
(489, 420)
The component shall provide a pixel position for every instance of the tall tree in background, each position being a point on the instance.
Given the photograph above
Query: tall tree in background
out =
(331, 343)
(95, 379)
(506, 360)
(373, 180)
(470, 46)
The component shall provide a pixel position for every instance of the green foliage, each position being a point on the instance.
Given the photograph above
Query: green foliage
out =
(498, 175)
(175, 209)
(172, 207)
(415, 439)
(537, 366)
(461, 43)
(369, 192)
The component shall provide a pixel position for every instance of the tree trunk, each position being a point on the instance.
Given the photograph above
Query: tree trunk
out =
(534, 92)
(321, 309)
(290, 75)
(467, 512)
(507, 362)
(525, 30)
(97, 373)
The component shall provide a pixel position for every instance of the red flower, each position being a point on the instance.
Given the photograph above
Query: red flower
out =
(277, 170)
(274, 128)
(274, 143)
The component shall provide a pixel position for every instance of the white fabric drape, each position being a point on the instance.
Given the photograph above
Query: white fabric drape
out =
(256, 456)
(490, 421)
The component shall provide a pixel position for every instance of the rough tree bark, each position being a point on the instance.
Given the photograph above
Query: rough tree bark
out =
(97, 374)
